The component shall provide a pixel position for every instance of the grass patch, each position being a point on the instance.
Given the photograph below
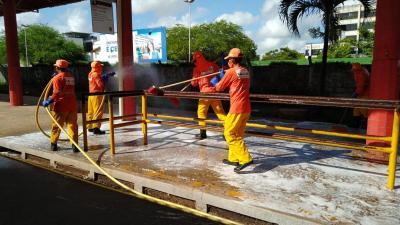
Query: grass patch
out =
(364, 61)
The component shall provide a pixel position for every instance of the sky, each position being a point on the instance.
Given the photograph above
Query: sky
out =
(258, 18)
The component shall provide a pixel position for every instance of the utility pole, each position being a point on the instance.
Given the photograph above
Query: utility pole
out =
(190, 21)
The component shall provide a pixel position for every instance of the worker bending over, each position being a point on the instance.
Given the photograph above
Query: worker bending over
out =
(237, 79)
(204, 67)
(97, 82)
(65, 104)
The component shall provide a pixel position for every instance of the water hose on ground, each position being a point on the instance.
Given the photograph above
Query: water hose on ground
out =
(138, 194)
(43, 96)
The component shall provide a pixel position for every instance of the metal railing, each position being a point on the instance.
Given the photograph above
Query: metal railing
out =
(188, 122)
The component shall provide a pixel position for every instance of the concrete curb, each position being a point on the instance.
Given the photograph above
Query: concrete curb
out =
(203, 200)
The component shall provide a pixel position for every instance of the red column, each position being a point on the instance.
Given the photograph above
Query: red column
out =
(125, 53)
(14, 72)
(385, 71)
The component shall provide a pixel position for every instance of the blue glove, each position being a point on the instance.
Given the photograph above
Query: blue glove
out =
(221, 74)
(47, 102)
(104, 77)
(214, 81)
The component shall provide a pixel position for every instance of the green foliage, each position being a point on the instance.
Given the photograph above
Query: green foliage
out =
(211, 39)
(342, 49)
(45, 45)
(366, 41)
(282, 54)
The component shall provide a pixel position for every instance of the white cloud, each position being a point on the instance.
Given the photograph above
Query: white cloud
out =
(170, 21)
(239, 18)
(161, 8)
(23, 19)
(28, 18)
(74, 19)
(274, 33)
(274, 28)
(270, 6)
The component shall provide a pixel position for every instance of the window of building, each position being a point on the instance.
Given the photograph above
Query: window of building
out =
(348, 15)
(348, 27)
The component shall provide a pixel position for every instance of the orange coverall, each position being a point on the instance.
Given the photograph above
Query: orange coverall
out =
(361, 78)
(237, 79)
(65, 106)
(204, 67)
(95, 103)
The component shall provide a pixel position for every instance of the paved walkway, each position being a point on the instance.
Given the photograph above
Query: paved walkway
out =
(290, 182)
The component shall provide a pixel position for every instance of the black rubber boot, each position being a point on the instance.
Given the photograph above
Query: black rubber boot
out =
(202, 135)
(227, 162)
(53, 147)
(98, 131)
(90, 129)
(74, 148)
(242, 166)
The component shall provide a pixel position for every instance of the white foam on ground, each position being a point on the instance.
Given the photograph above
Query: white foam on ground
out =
(316, 182)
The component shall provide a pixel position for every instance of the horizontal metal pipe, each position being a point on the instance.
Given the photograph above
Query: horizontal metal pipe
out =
(118, 125)
(296, 100)
(346, 145)
(115, 118)
(283, 128)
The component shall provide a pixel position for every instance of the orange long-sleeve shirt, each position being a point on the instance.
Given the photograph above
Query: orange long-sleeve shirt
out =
(64, 93)
(361, 78)
(96, 84)
(238, 81)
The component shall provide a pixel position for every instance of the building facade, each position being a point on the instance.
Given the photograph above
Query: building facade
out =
(351, 18)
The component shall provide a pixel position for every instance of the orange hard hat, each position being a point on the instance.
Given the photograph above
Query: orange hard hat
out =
(234, 53)
(95, 64)
(356, 66)
(61, 63)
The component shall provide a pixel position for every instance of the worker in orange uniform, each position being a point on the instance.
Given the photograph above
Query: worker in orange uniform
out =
(65, 104)
(237, 79)
(97, 82)
(361, 78)
(204, 67)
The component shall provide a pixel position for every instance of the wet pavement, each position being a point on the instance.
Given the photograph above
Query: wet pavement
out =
(31, 195)
(318, 183)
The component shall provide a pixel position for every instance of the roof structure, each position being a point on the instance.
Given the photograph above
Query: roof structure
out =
(35, 5)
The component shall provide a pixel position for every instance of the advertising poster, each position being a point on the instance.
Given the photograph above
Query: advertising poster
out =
(149, 46)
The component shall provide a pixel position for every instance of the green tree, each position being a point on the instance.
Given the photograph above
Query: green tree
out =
(211, 39)
(291, 11)
(342, 49)
(282, 54)
(366, 41)
(44, 45)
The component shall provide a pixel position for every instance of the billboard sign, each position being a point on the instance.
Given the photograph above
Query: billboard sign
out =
(149, 46)
(102, 16)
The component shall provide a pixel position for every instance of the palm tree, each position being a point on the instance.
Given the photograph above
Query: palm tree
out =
(290, 11)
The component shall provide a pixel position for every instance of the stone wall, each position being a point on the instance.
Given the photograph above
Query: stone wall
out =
(282, 79)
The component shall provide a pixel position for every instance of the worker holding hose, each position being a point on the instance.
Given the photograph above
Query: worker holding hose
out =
(237, 79)
(64, 104)
(97, 82)
(204, 67)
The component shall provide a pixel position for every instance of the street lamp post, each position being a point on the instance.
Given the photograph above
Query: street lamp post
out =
(190, 20)
(26, 46)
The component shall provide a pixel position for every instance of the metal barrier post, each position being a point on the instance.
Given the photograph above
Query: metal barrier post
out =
(84, 125)
(144, 119)
(393, 154)
(111, 124)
